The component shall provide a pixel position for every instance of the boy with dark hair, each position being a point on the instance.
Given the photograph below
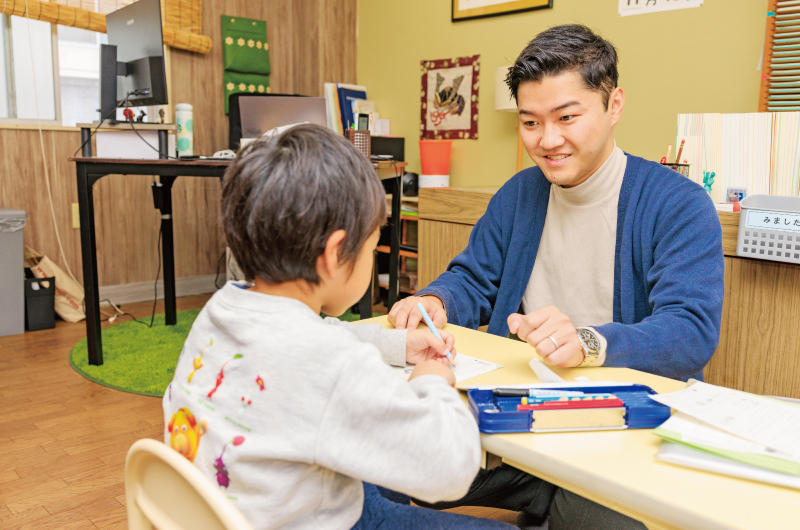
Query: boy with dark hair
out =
(594, 257)
(296, 417)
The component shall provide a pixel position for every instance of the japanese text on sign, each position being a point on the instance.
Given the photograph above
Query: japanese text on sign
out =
(780, 221)
(641, 7)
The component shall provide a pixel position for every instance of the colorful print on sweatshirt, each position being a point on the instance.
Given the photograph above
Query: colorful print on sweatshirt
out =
(197, 362)
(223, 478)
(185, 433)
(221, 375)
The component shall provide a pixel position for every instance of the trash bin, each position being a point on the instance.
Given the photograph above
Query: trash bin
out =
(40, 302)
(12, 272)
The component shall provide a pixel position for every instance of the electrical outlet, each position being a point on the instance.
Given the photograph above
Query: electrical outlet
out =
(76, 216)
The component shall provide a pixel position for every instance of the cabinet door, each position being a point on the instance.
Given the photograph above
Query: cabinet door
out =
(439, 243)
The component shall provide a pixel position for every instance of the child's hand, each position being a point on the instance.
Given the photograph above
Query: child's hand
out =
(422, 345)
(434, 368)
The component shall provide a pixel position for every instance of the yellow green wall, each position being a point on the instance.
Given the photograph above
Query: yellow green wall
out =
(686, 61)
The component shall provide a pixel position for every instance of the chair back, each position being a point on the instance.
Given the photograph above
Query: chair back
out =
(165, 490)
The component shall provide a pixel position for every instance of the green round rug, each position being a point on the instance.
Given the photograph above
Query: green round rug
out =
(137, 358)
(140, 359)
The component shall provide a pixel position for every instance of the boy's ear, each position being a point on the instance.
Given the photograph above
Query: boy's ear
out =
(328, 262)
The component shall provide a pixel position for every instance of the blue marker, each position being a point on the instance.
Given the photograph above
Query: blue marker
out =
(435, 332)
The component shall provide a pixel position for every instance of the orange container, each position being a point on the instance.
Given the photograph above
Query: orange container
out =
(435, 156)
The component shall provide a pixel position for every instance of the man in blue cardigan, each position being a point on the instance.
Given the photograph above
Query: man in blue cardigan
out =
(595, 257)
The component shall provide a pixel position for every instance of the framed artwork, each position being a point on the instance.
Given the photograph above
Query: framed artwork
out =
(469, 9)
(449, 107)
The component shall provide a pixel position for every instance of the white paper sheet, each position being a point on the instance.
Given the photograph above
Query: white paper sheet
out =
(687, 456)
(767, 422)
(694, 431)
(465, 368)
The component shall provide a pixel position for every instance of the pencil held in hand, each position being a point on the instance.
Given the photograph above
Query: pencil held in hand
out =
(435, 331)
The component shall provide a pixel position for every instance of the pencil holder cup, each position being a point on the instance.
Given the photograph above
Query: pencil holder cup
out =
(683, 169)
(361, 140)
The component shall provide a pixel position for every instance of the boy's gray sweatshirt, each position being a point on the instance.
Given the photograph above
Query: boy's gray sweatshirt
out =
(287, 413)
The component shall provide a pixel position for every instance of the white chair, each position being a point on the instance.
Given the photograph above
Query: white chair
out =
(164, 489)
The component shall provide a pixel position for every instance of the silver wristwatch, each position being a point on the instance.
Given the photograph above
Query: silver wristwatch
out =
(591, 345)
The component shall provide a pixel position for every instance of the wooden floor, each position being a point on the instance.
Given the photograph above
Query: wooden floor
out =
(63, 438)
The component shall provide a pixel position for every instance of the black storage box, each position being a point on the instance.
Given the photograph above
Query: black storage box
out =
(40, 302)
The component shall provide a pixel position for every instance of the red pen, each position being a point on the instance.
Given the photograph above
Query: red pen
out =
(584, 404)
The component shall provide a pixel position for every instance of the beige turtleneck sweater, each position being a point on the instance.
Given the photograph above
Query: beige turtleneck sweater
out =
(574, 268)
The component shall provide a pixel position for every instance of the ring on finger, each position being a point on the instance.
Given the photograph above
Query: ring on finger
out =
(555, 342)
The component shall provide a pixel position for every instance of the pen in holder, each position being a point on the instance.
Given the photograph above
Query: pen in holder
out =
(361, 139)
(683, 169)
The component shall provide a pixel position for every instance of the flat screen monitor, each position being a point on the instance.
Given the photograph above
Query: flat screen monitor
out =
(132, 64)
(261, 114)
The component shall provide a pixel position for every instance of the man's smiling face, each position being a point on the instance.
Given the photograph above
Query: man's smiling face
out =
(566, 128)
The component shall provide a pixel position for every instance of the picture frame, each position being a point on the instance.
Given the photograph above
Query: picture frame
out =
(449, 98)
(472, 9)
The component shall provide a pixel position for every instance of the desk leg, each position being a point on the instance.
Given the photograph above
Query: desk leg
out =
(163, 145)
(89, 258)
(86, 134)
(394, 242)
(365, 304)
(167, 252)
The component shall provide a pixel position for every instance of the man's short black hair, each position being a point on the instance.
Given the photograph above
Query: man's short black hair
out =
(567, 48)
(282, 199)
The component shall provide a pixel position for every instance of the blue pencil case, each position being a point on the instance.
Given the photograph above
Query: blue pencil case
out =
(497, 415)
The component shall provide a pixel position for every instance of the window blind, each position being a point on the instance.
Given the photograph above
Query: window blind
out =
(181, 19)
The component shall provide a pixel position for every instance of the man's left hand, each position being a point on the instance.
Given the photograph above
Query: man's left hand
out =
(552, 334)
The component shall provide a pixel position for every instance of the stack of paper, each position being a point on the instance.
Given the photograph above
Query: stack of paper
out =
(758, 432)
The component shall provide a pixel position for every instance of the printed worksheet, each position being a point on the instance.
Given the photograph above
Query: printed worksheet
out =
(771, 423)
(465, 368)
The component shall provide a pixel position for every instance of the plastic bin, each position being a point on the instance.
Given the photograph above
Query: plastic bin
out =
(12, 272)
(769, 228)
(40, 302)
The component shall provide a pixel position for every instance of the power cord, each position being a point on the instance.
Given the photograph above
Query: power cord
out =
(103, 119)
(120, 312)
(148, 143)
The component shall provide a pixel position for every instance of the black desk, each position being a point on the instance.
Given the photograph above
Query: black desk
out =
(90, 170)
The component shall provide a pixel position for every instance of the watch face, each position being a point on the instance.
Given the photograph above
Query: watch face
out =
(589, 340)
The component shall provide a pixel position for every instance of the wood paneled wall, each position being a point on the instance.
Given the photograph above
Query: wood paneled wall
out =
(311, 42)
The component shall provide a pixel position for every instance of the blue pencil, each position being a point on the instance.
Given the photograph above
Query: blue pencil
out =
(435, 331)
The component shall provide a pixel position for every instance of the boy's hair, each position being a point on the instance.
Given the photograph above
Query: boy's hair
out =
(567, 48)
(282, 198)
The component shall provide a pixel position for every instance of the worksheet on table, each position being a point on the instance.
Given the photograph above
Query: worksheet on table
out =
(465, 368)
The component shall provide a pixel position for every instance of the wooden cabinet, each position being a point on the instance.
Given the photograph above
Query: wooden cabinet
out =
(760, 331)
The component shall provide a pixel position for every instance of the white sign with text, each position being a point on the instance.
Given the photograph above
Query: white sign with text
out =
(642, 7)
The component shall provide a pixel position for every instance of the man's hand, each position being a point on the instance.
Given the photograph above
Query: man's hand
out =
(434, 368)
(405, 315)
(537, 328)
(422, 345)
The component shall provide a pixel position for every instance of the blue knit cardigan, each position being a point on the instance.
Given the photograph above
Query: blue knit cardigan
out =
(668, 268)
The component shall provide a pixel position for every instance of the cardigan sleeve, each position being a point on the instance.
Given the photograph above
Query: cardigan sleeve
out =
(685, 284)
(471, 282)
